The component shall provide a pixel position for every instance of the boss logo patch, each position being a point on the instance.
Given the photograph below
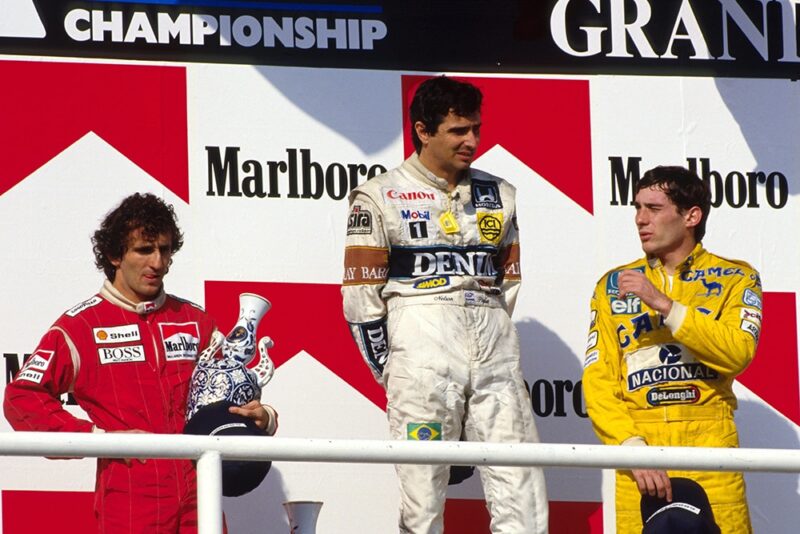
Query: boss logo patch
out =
(134, 353)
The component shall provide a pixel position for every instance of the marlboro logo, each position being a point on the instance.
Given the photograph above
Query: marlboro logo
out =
(181, 340)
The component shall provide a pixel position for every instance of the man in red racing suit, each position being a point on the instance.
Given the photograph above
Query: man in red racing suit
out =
(127, 355)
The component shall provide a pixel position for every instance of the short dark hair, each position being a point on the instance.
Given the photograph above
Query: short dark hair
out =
(434, 100)
(145, 212)
(684, 188)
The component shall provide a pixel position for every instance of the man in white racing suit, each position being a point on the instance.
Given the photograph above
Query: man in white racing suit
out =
(431, 277)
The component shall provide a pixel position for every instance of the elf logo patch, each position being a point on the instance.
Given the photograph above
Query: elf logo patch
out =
(181, 340)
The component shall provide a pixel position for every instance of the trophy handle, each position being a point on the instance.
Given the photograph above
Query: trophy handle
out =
(264, 368)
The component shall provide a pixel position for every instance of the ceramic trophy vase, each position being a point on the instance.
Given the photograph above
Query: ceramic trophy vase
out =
(302, 516)
(235, 368)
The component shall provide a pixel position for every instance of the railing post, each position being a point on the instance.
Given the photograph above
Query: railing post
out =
(209, 493)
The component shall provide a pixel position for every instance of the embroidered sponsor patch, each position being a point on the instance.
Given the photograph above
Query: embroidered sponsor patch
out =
(667, 395)
(591, 342)
(431, 283)
(30, 376)
(424, 431)
(75, 310)
(658, 364)
(750, 328)
(39, 360)
(365, 265)
(751, 298)
(126, 354)
(712, 289)
(412, 262)
(750, 314)
(593, 319)
(612, 282)
(393, 195)
(490, 226)
(415, 215)
(486, 195)
(359, 221)
(116, 334)
(181, 340)
(629, 306)
(375, 340)
(591, 358)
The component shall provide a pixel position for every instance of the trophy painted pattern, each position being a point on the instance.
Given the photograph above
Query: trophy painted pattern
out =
(225, 370)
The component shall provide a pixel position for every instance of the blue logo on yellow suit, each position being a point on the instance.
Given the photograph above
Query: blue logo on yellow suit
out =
(424, 431)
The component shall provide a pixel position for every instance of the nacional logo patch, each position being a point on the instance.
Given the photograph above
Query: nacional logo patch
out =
(116, 334)
(486, 195)
(490, 226)
(359, 221)
(181, 340)
(424, 431)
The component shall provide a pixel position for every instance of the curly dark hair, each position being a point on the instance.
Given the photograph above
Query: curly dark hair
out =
(434, 100)
(138, 211)
(684, 188)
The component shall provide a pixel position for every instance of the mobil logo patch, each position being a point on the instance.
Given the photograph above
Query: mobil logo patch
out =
(181, 340)
(415, 215)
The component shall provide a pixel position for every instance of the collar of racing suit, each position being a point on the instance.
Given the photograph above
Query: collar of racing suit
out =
(421, 172)
(111, 294)
(696, 253)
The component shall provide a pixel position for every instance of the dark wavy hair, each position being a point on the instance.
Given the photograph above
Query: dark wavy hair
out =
(145, 212)
(434, 100)
(684, 188)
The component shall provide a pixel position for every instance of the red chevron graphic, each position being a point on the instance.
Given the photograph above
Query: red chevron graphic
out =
(139, 110)
(773, 375)
(544, 123)
(303, 317)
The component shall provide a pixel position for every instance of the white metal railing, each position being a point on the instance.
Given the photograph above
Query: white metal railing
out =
(210, 451)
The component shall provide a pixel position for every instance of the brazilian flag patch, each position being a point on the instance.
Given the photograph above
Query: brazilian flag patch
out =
(424, 431)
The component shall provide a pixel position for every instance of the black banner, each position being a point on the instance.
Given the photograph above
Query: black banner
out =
(741, 38)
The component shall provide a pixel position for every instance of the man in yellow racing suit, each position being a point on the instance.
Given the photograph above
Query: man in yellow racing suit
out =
(668, 335)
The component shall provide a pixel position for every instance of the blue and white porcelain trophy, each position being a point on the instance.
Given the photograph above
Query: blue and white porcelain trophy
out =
(225, 370)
